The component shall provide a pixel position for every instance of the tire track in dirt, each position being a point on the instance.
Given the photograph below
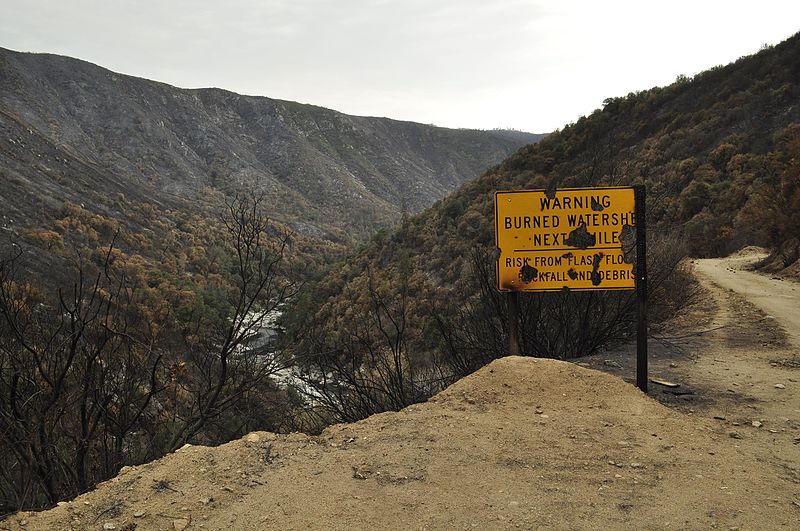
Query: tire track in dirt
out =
(750, 361)
(780, 299)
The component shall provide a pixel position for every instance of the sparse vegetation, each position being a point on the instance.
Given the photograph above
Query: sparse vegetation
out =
(134, 325)
(717, 154)
(116, 368)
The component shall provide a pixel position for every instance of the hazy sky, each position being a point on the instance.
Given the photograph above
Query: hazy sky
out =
(533, 65)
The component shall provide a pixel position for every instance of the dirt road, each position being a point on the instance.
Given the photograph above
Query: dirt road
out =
(747, 368)
(735, 355)
(778, 298)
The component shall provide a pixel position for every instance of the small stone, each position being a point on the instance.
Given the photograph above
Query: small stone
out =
(138, 514)
(756, 424)
(109, 525)
(544, 416)
(780, 386)
(180, 524)
(734, 435)
(617, 476)
(253, 438)
(636, 465)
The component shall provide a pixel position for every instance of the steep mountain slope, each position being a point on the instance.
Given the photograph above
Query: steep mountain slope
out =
(720, 155)
(72, 130)
(194, 212)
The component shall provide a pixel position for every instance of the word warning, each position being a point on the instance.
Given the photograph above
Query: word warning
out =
(575, 238)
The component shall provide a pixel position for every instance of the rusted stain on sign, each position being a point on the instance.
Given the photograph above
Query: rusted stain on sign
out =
(573, 238)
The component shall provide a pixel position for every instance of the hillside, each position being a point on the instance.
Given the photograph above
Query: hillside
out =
(719, 154)
(523, 443)
(74, 131)
(150, 233)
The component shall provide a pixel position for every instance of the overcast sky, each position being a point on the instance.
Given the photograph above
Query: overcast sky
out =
(534, 65)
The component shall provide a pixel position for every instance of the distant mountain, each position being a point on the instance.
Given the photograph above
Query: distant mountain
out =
(74, 131)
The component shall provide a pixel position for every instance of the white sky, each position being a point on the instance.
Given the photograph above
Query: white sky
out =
(534, 65)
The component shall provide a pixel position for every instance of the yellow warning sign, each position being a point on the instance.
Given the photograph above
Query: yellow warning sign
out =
(576, 238)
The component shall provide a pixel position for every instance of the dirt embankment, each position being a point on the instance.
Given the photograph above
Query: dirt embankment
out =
(784, 261)
(523, 443)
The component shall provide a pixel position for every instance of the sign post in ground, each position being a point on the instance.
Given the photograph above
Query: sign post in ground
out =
(513, 324)
(575, 239)
(641, 290)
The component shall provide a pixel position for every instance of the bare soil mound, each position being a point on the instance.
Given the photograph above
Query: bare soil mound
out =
(751, 251)
(523, 443)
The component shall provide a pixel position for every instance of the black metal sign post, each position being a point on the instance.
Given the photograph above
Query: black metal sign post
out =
(513, 323)
(641, 287)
